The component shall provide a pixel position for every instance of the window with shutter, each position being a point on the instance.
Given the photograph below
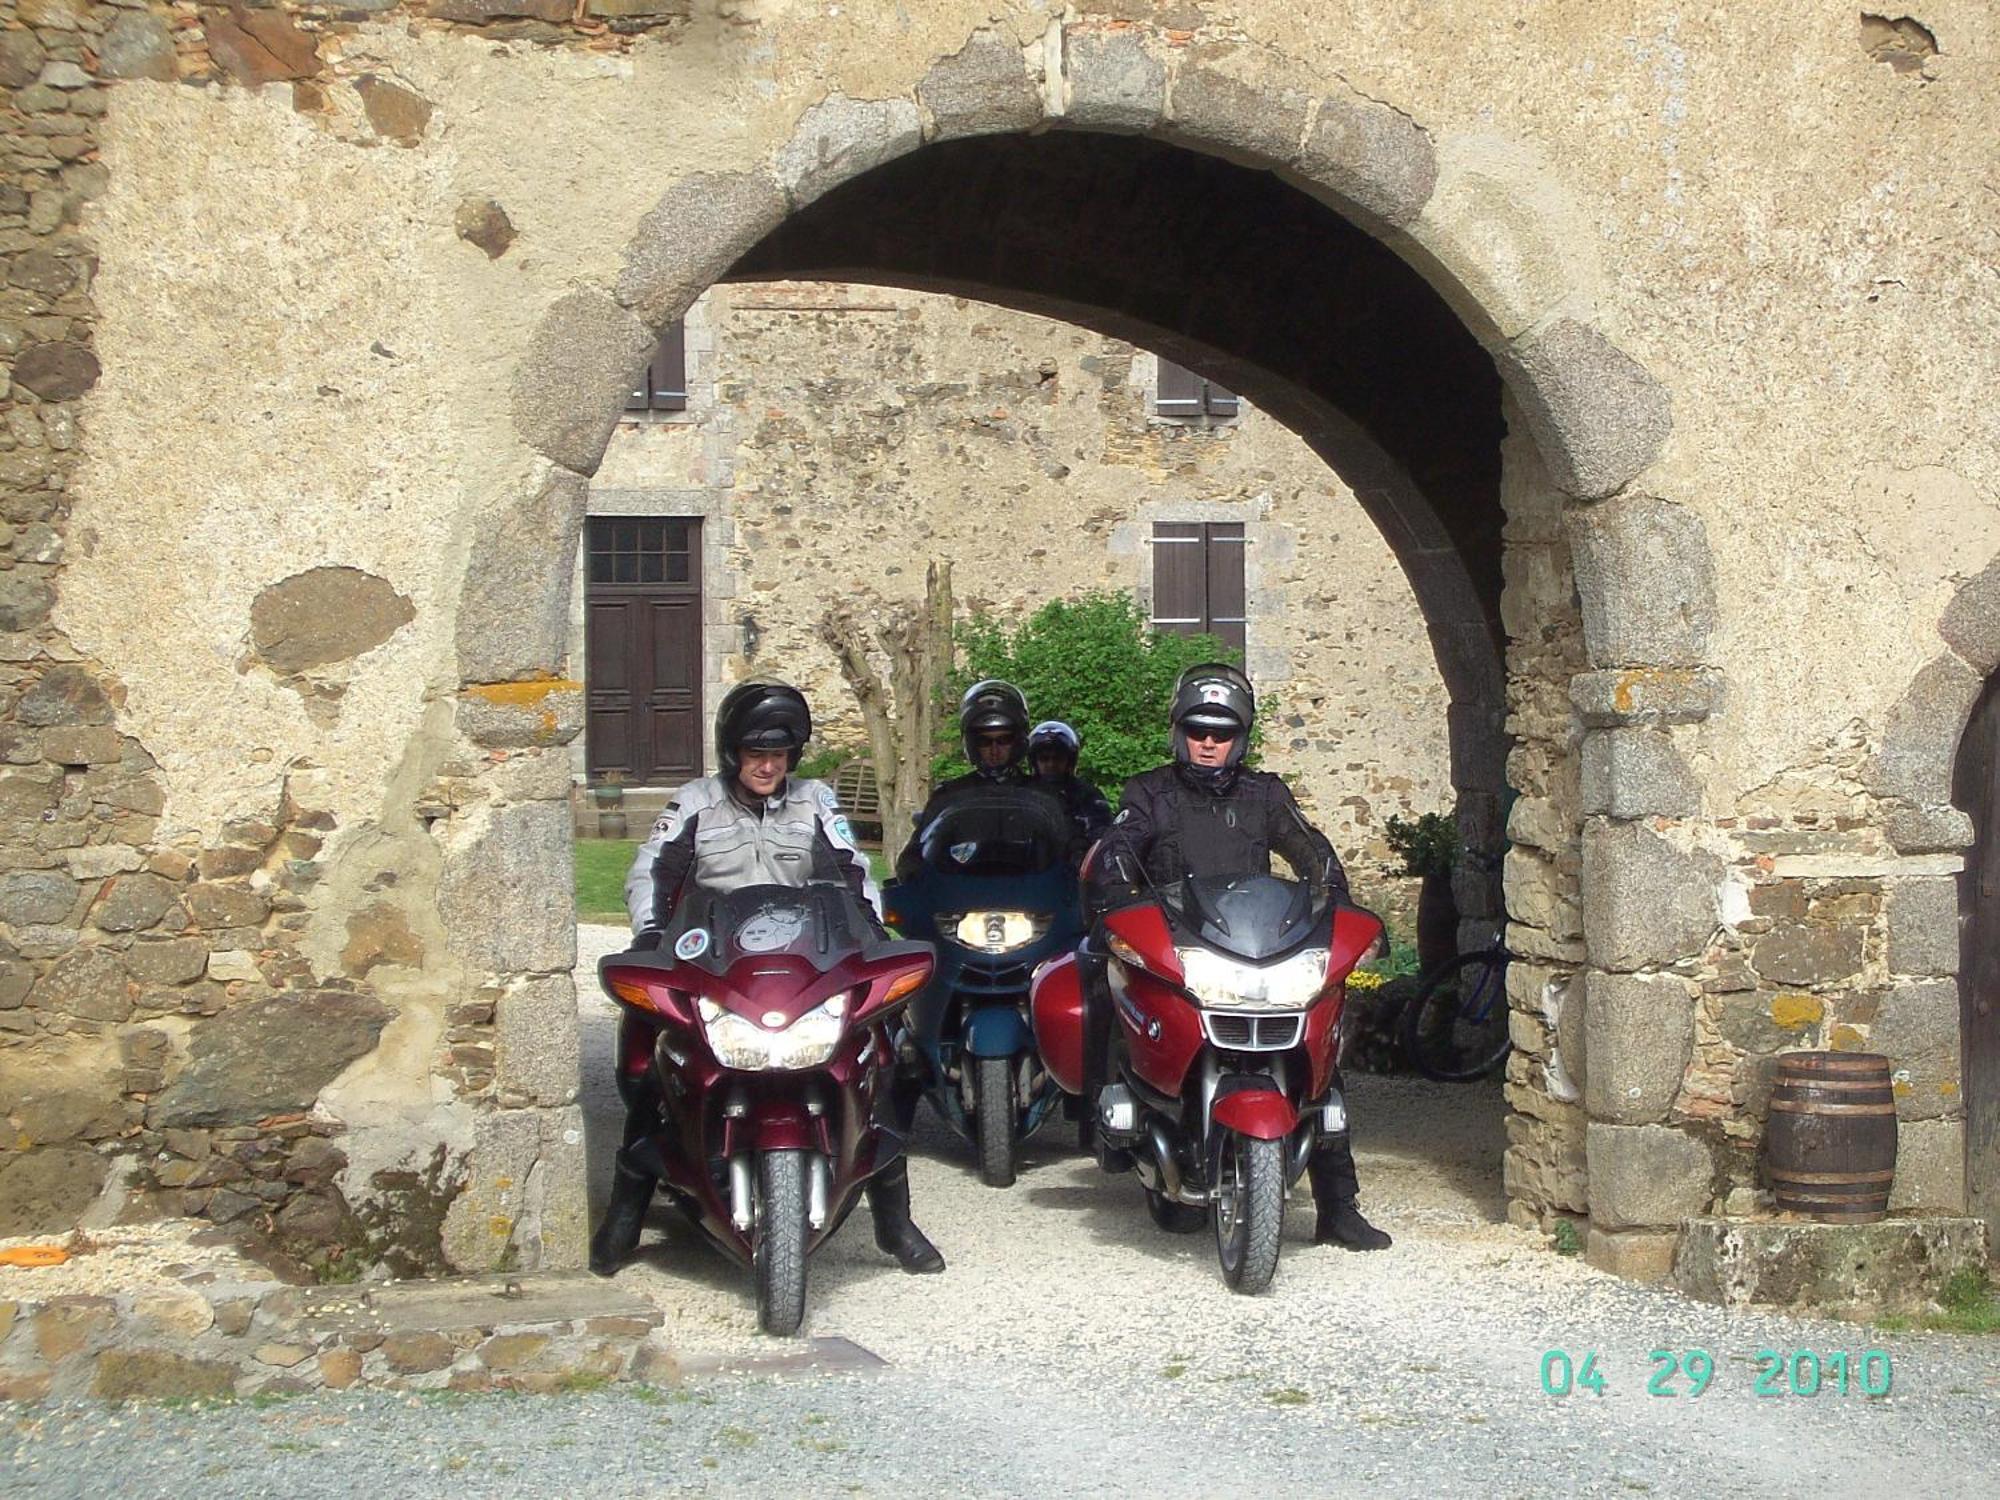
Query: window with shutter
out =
(1198, 579)
(663, 386)
(1180, 392)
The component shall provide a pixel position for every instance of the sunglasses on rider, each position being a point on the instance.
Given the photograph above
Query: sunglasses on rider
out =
(1212, 734)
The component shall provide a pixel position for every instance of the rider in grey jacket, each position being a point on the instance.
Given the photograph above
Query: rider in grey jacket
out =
(752, 824)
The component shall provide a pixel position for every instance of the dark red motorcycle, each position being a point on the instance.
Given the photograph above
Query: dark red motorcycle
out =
(772, 1003)
(1228, 994)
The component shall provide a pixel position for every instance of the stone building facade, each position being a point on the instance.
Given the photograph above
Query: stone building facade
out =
(836, 437)
(1654, 339)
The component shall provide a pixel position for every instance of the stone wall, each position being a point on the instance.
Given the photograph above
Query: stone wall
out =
(838, 436)
(315, 329)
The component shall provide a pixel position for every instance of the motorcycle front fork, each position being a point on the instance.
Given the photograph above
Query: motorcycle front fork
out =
(1126, 1125)
(743, 1190)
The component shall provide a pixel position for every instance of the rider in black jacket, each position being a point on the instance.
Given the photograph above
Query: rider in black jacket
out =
(1052, 752)
(1205, 814)
(993, 723)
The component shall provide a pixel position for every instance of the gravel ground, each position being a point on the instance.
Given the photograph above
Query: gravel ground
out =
(1073, 1348)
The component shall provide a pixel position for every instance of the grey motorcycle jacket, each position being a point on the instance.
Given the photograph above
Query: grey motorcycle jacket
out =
(706, 834)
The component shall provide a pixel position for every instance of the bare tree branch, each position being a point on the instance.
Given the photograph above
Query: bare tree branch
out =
(900, 714)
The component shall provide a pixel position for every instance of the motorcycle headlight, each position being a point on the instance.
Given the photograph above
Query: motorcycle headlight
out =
(994, 931)
(1226, 984)
(745, 1045)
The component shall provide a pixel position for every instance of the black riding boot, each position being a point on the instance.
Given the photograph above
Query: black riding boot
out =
(906, 1090)
(889, 1202)
(618, 1236)
(1096, 985)
(1335, 1188)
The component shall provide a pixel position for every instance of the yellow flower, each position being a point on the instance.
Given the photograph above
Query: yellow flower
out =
(1365, 979)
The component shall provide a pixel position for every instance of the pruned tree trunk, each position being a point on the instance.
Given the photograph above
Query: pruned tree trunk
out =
(900, 713)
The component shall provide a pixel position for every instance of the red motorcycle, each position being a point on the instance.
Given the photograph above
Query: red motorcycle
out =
(772, 1004)
(1228, 997)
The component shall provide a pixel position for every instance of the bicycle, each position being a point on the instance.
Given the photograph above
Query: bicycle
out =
(1455, 1029)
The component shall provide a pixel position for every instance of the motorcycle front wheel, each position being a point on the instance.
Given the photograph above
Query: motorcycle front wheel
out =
(778, 1257)
(1249, 1210)
(993, 1119)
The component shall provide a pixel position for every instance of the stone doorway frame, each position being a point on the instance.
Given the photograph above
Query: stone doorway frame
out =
(1480, 220)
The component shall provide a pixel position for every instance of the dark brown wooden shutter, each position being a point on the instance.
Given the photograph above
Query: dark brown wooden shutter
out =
(1225, 614)
(1198, 579)
(1180, 392)
(1180, 577)
(663, 385)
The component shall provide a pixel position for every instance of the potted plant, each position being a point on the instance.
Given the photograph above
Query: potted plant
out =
(609, 795)
(1429, 847)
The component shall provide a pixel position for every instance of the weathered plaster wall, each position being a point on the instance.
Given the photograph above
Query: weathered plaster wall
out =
(852, 432)
(1790, 236)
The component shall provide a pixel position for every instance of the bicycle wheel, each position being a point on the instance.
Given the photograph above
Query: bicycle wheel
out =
(1456, 1028)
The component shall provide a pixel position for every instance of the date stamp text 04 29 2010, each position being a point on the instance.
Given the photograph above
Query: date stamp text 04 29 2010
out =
(1690, 1372)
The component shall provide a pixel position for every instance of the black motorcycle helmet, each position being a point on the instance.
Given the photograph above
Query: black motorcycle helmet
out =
(987, 707)
(763, 716)
(1213, 695)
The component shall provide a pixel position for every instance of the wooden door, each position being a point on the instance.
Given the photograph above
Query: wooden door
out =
(1975, 789)
(642, 648)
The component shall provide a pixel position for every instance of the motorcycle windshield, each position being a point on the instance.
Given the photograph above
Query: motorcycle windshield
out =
(1253, 917)
(1002, 830)
(817, 923)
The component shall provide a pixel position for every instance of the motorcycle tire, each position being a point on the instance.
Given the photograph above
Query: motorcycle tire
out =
(1249, 1212)
(993, 1119)
(1174, 1216)
(778, 1254)
(1451, 1037)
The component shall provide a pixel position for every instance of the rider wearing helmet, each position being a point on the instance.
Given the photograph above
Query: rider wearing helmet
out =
(993, 726)
(1205, 813)
(1052, 752)
(752, 823)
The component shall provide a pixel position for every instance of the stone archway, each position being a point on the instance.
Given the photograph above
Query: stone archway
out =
(1601, 900)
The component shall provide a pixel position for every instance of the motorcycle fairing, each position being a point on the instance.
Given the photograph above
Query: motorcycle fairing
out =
(996, 1031)
(1057, 1003)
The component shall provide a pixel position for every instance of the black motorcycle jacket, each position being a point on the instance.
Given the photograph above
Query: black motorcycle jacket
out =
(1084, 802)
(1168, 827)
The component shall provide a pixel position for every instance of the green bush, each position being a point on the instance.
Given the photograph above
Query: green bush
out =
(821, 761)
(1429, 844)
(1093, 662)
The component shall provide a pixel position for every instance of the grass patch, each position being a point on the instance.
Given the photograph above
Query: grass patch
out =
(1287, 1396)
(738, 1437)
(582, 1382)
(1966, 1304)
(1567, 1240)
(1173, 1372)
(600, 878)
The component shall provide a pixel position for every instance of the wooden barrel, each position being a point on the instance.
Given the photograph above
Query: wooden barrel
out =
(1830, 1142)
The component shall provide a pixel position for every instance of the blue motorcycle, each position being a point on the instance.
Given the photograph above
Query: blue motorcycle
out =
(994, 890)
